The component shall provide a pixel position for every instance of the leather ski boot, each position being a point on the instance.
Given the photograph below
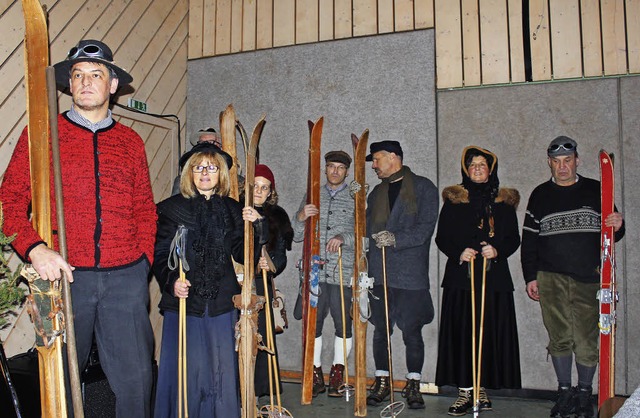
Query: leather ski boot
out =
(380, 391)
(411, 391)
(565, 405)
(462, 405)
(485, 402)
(336, 379)
(584, 407)
(318, 382)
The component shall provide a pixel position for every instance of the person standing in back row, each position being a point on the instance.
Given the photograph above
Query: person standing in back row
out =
(401, 212)
(561, 261)
(337, 230)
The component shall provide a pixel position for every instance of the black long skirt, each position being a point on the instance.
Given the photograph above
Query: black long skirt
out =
(500, 349)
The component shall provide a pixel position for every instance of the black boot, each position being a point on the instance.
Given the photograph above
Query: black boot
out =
(411, 391)
(584, 407)
(462, 404)
(485, 402)
(318, 382)
(565, 404)
(380, 391)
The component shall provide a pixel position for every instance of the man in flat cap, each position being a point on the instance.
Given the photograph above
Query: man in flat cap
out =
(401, 216)
(560, 256)
(110, 225)
(337, 230)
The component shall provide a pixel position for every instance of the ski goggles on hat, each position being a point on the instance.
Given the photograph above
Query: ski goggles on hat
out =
(91, 51)
(567, 146)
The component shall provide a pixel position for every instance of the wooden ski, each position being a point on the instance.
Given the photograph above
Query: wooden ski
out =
(229, 145)
(361, 282)
(248, 302)
(36, 43)
(311, 262)
(607, 294)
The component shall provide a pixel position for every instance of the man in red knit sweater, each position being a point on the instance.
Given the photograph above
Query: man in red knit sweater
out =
(110, 225)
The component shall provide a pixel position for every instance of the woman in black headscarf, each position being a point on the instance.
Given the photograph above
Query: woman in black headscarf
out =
(478, 219)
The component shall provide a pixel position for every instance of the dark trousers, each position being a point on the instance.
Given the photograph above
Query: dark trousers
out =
(410, 310)
(113, 306)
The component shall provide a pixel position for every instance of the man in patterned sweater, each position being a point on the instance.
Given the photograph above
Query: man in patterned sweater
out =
(110, 225)
(336, 230)
(560, 260)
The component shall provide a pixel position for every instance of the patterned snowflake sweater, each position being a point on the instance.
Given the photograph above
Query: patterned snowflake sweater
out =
(561, 231)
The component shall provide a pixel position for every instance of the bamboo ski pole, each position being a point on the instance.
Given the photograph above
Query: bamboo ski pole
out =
(274, 373)
(271, 352)
(70, 331)
(345, 388)
(481, 334)
(183, 407)
(394, 408)
(474, 366)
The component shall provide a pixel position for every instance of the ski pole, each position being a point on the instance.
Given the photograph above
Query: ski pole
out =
(182, 351)
(394, 408)
(345, 388)
(474, 366)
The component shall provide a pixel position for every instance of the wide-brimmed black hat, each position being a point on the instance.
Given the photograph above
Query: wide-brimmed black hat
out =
(205, 147)
(89, 50)
(389, 146)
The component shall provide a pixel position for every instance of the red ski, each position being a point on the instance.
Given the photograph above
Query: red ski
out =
(311, 263)
(361, 282)
(608, 294)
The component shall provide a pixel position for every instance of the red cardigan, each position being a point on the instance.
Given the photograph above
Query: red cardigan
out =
(110, 215)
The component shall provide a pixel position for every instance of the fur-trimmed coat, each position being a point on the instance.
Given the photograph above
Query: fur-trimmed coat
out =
(458, 229)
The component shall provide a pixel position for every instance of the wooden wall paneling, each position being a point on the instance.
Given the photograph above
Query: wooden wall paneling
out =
(99, 27)
(613, 37)
(223, 27)
(633, 35)
(264, 24)
(403, 15)
(343, 19)
(448, 37)
(208, 35)
(249, 25)
(163, 44)
(385, 16)
(5, 4)
(591, 38)
(494, 41)
(516, 45)
(142, 33)
(284, 22)
(423, 10)
(325, 20)
(196, 14)
(471, 62)
(306, 21)
(122, 25)
(67, 8)
(10, 139)
(365, 17)
(540, 40)
(236, 25)
(566, 48)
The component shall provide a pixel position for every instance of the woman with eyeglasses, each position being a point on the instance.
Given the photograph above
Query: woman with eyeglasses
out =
(214, 226)
(478, 221)
(265, 199)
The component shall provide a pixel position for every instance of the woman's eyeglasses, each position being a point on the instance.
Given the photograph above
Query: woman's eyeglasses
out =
(209, 168)
(555, 147)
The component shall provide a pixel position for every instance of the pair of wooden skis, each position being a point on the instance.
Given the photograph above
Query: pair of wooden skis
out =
(310, 266)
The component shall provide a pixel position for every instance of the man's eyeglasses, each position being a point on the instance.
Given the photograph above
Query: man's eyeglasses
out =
(210, 168)
(89, 51)
(555, 147)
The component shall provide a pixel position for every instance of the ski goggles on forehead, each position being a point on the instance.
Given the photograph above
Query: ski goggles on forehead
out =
(92, 51)
(567, 146)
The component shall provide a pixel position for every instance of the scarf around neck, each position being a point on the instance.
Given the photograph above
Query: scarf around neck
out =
(380, 211)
